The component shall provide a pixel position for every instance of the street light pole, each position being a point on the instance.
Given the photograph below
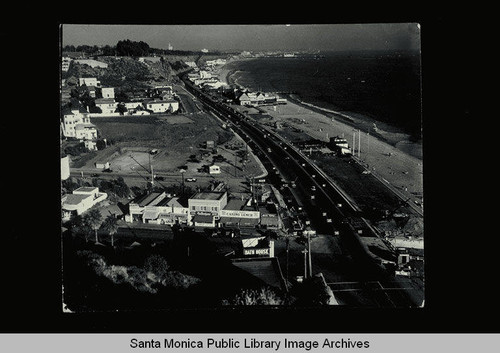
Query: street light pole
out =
(305, 262)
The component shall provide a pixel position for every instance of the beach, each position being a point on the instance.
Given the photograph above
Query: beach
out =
(386, 152)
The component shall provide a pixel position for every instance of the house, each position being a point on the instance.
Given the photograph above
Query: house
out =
(214, 169)
(90, 145)
(108, 92)
(65, 62)
(71, 118)
(85, 131)
(81, 200)
(107, 105)
(89, 81)
(161, 106)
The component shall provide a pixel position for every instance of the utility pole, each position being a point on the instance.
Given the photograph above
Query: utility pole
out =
(235, 161)
(305, 262)
(287, 248)
(151, 169)
(353, 142)
(359, 143)
(309, 253)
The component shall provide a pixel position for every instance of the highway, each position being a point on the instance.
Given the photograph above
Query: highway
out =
(329, 208)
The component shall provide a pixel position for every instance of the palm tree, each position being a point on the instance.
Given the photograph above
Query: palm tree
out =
(110, 225)
(94, 218)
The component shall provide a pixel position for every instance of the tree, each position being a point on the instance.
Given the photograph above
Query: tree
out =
(80, 225)
(157, 265)
(94, 218)
(110, 226)
(261, 296)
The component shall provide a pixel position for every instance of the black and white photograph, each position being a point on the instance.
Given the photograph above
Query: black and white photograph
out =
(221, 166)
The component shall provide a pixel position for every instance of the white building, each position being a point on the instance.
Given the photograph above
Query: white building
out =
(85, 131)
(133, 105)
(162, 106)
(158, 208)
(92, 63)
(89, 81)
(205, 207)
(71, 120)
(239, 212)
(214, 169)
(66, 61)
(108, 92)
(65, 167)
(107, 105)
(81, 200)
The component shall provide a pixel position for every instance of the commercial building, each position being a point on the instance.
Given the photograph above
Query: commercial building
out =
(240, 213)
(205, 207)
(159, 208)
(81, 200)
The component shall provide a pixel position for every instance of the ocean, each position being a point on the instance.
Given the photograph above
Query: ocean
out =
(385, 86)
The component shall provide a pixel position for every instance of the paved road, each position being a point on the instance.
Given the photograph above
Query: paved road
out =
(326, 197)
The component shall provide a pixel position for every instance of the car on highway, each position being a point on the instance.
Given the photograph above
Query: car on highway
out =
(93, 175)
(190, 179)
(157, 177)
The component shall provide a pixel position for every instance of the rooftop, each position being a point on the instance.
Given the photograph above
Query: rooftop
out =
(209, 195)
(266, 269)
(104, 100)
(84, 126)
(147, 199)
(73, 199)
(86, 189)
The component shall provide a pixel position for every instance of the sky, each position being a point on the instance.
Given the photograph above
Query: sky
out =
(251, 37)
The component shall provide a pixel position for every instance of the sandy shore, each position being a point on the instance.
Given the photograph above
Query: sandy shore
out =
(387, 152)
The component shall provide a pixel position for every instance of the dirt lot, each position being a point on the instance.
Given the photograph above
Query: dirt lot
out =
(176, 137)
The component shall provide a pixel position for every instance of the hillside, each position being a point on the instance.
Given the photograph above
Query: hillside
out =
(123, 71)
